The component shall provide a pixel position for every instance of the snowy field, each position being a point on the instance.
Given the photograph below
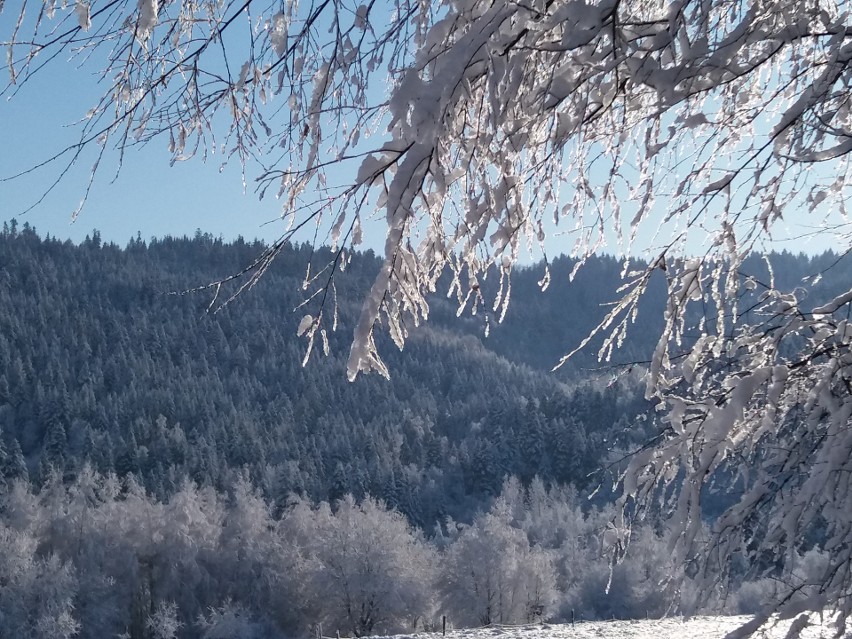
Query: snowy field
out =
(675, 628)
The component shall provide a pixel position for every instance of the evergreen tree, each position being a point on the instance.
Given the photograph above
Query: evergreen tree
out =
(16, 465)
(5, 464)
(55, 446)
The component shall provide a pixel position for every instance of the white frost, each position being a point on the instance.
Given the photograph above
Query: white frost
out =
(148, 15)
(84, 17)
(278, 33)
(304, 325)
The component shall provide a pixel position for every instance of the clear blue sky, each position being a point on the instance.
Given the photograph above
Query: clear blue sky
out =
(149, 196)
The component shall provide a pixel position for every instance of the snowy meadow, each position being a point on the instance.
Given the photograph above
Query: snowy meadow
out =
(669, 628)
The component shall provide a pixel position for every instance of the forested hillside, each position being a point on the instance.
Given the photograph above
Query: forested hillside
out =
(169, 472)
(98, 363)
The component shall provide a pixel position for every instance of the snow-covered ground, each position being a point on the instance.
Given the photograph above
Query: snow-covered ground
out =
(674, 628)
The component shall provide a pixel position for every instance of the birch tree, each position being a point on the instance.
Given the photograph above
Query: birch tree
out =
(505, 123)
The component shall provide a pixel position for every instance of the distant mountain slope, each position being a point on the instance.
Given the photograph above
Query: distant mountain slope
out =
(98, 362)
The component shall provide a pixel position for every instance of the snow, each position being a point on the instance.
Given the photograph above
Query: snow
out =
(84, 18)
(490, 108)
(304, 325)
(278, 33)
(670, 628)
(148, 15)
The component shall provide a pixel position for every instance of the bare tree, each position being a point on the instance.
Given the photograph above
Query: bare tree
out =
(507, 122)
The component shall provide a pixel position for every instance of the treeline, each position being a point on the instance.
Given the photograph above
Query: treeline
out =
(99, 365)
(101, 557)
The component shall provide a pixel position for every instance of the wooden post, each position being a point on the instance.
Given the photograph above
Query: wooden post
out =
(572, 618)
(444, 625)
(338, 634)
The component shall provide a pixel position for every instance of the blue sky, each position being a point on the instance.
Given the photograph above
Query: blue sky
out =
(148, 196)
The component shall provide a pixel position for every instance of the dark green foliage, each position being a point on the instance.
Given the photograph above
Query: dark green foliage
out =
(100, 363)
(15, 466)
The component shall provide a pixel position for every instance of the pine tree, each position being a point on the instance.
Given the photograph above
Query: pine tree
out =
(55, 447)
(5, 463)
(5, 392)
(17, 465)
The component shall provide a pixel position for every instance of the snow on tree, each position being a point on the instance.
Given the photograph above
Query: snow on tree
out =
(229, 621)
(492, 574)
(364, 565)
(163, 621)
(247, 542)
(504, 123)
(36, 593)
